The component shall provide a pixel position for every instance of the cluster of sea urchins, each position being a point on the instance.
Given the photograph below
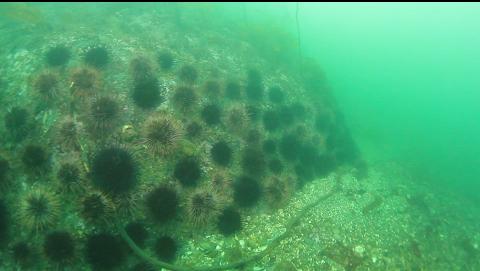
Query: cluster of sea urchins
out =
(215, 150)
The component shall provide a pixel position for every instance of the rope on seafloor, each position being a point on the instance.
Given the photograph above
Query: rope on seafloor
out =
(274, 243)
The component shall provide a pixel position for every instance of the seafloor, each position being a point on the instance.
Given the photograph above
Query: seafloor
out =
(388, 219)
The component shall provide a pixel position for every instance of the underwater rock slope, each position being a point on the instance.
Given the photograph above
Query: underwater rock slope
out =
(178, 135)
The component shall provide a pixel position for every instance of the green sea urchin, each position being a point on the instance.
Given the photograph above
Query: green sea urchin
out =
(22, 254)
(254, 88)
(212, 89)
(46, 84)
(114, 170)
(4, 172)
(221, 153)
(104, 251)
(278, 190)
(59, 247)
(161, 134)
(188, 74)
(97, 57)
(187, 171)
(162, 204)
(233, 91)
(39, 210)
(247, 191)
(211, 114)
(104, 114)
(166, 60)
(69, 175)
(184, 98)
(58, 56)
(96, 208)
(229, 221)
(202, 207)
(166, 248)
(84, 82)
(35, 157)
(67, 134)
(17, 123)
(138, 232)
(253, 161)
(146, 93)
(141, 68)
(237, 120)
(4, 222)
(276, 95)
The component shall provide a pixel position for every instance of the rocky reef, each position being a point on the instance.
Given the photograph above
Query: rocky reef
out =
(155, 127)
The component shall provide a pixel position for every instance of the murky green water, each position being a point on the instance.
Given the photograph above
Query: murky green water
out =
(240, 136)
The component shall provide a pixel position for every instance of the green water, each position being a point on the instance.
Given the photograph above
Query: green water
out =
(244, 136)
(405, 75)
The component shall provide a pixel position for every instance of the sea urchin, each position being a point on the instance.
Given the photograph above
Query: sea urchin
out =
(58, 56)
(187, 171)
(146, 93)
(114, 170)
(39, 210)
(161, 134)
(104, 113)
(97, 57)
(34, 157)
(221, 153)
(166, 248)
(104, 251)
(229, 221)
(162, 204)
(59, 247)
(202, 207)
(246, 192)
(4, 223)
